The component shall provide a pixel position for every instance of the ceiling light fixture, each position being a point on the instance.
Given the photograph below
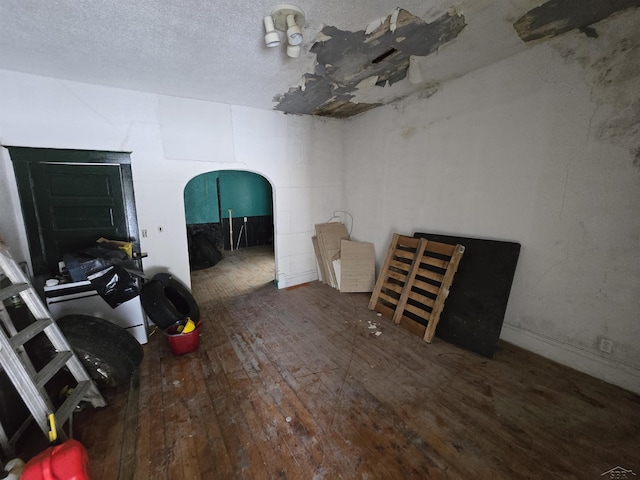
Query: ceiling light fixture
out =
(294, 35)
(289, 19)
(293, 51)
(271, 37)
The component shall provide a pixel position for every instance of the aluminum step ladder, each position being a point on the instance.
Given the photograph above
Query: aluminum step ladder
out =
(14, 360)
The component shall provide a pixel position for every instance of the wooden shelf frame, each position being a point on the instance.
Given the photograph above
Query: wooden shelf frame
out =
(414, 283)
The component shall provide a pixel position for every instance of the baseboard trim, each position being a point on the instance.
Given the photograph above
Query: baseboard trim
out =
(576, 358)
(286, 281)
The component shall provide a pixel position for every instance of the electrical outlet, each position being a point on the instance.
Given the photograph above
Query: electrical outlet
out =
(606, 345)
(144, 233)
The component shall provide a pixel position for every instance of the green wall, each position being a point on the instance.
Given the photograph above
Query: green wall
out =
(201, 199)
(247, 194)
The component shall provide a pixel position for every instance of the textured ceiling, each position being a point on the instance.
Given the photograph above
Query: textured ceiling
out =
(214, 50)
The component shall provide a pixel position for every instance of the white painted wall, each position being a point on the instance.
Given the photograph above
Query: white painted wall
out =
(10, 211)
(543, 149)
(172, 140)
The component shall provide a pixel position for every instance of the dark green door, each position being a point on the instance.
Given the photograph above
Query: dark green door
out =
(70, 198)
(76, 205)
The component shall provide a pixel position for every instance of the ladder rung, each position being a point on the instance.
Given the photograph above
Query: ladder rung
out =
(13, 290)
(18, 366)
(72, 401)
(51, 368)
(23, 336)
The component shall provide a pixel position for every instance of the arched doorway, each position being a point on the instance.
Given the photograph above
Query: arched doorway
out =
(229, 216)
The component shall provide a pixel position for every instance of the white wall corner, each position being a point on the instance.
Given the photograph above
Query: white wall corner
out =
(12, 229)
(286, 281)
(584, 361)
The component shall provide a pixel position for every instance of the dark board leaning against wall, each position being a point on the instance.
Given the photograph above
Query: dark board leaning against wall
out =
(474, 311)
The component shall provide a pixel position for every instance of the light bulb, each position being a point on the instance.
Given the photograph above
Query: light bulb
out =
(294, 35)
(271, 38)
(293, 51)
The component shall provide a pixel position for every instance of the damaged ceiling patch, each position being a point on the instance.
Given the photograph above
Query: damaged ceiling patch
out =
(372, 58)
(556, 17)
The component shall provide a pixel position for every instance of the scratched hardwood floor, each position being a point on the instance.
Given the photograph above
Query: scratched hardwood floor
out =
(295, 384)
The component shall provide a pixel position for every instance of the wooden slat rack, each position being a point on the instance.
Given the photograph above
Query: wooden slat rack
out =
(414, 283)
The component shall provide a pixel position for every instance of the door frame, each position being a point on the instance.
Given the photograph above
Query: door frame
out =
(23, 158)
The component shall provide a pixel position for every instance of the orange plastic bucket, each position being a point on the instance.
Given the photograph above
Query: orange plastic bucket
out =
(181, 343)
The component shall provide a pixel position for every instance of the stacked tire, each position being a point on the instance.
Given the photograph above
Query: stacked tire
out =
(166, 301)
(109, 353)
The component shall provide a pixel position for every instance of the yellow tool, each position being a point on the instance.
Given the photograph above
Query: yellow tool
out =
(188, 327)
(53, 431)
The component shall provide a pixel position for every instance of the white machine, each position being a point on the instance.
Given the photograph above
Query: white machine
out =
(80, 298)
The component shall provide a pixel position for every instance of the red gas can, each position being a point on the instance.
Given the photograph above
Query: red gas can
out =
(67, 461)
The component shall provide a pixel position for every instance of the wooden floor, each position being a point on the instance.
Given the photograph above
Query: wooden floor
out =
(295, 384)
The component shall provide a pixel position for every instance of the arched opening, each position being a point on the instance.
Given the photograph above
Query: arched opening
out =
(229, 216)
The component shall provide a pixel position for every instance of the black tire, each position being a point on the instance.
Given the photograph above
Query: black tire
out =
(202, 253)
(109, 354)
(81, 327)
(166, 301)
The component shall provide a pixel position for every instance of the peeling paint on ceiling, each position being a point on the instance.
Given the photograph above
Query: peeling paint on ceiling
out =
(617, 112)
(215, 51)
(380, 56)
(556, 17)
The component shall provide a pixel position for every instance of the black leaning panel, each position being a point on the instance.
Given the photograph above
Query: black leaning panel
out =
(474, 311)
